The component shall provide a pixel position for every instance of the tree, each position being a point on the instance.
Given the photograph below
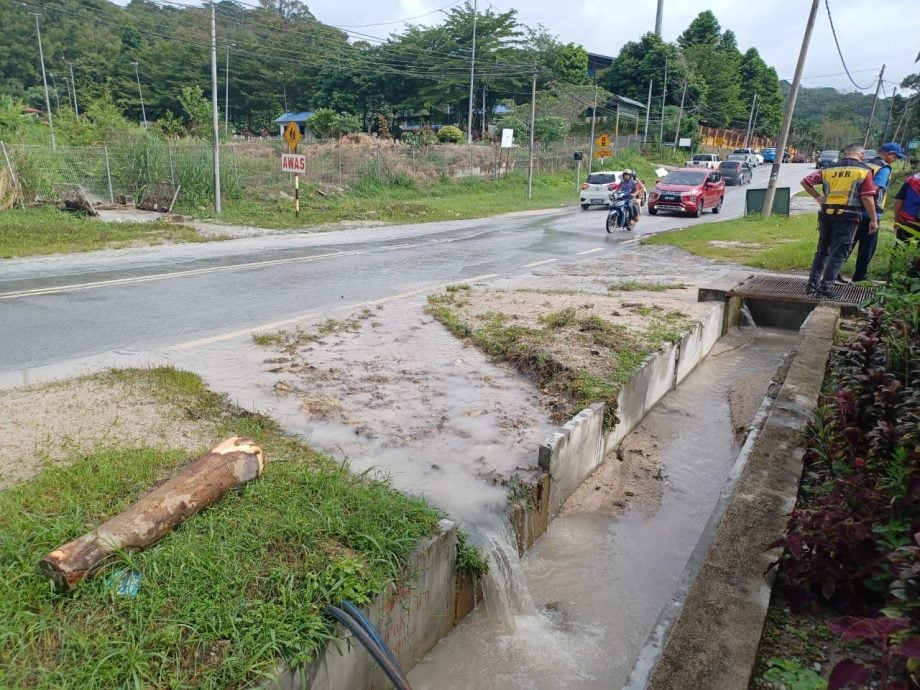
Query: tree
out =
(644, 61)
(550, 128)
(197, 109)
(758, 78)
(703, 31)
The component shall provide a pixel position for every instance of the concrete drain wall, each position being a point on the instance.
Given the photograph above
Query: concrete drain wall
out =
(413, 619)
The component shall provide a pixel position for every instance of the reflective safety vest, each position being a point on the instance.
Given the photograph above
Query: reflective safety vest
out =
(841, 183)
(875, 165)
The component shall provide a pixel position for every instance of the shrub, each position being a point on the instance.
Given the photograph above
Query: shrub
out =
(450, 134)
(551, 128)
(521, 130)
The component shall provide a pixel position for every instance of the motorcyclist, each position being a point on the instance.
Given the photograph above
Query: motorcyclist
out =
(631, 187)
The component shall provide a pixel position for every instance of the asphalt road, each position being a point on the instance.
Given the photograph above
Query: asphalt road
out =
(65, 308)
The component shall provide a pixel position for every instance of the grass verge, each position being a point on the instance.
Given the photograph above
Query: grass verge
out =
(404, 200)
(223, 597)
(49, 231)
(574, 355)
(777, 243)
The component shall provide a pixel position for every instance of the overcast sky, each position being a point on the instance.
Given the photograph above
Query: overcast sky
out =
(871, 32)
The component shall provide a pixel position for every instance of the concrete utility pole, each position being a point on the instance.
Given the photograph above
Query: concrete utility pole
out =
(73, 82)
(790, 109)
(872, 111)
(41, 57)
(533, 119)
(747, 132)
(469, 117)
(214, 119)
(593, 120)
(658, 17)
(648, 108)
(57, 94)
(140, 92)
(482, 124)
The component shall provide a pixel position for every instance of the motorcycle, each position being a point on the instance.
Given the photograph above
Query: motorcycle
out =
(618, 215)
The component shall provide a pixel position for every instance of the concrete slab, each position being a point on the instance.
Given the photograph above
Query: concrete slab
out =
(130, 215)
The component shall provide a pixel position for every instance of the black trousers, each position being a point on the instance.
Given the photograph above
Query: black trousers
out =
(835, 239)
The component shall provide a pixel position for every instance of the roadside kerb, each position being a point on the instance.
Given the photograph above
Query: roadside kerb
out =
(411, 620)
(715, 640)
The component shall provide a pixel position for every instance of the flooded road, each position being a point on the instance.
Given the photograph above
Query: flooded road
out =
(596, 583)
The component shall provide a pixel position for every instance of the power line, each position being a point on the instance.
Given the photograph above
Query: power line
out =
(840, 52)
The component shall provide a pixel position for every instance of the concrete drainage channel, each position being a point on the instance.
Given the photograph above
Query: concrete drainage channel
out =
(708, 626)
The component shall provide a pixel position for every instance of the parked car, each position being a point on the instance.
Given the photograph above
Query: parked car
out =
(688, 190)
(769, 155)
(735, 172)
(827, 158)
(869, 154)
(595, 191)
(704, 160)
(751, 156)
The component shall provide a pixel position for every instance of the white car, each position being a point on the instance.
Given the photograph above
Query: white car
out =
(753, 159)
(595, 191)
(759, 158)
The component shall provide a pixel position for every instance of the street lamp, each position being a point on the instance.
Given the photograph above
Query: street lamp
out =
(140, 92)
(57, 96)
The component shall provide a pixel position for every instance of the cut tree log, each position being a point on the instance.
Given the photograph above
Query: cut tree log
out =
(204, 482)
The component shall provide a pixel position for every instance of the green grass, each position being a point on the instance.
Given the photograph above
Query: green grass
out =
(531, 351)
(48, 231)
(406, 201)
(635, 286)
(777, 243)
(223, 597)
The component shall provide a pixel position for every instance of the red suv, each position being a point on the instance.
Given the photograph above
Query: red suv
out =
(689, 190)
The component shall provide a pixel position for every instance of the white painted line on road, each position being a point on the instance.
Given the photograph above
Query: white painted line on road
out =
(400, 246)
(166, 276)
(591, 251)
(306, 316)
(638, 239)
(540, 263)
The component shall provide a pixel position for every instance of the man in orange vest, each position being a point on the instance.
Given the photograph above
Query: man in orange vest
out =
(847, 187)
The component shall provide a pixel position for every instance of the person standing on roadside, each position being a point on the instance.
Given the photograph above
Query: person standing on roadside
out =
(846, 188)
(907, 210)
(865, 242)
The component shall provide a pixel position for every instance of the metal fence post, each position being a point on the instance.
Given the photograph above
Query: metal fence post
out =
(108, 175)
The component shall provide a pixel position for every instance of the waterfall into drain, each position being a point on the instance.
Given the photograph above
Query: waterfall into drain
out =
(746, 314)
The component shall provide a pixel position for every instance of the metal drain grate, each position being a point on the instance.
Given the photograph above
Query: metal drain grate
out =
(792, 289)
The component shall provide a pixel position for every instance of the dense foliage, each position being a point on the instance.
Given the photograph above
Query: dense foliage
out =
(852, 542)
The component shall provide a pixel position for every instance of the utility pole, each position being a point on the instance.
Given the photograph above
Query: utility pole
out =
(747, 132)
(214, 120)
(790, 109)
(894, 94)
(139, 91)
(872, 111)
(658, 17)
(664, 92)
(593, 120)
(73, 83)
(533, 118)
(648, 108)
(41, 57)
(469, 116)
(680, 114)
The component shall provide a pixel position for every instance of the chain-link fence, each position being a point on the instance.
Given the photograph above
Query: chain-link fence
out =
(120, 171)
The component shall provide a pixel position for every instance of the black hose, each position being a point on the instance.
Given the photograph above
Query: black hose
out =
(365, 623)
(383, 659)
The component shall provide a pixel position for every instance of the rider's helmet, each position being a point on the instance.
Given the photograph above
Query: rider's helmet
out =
(628, 172)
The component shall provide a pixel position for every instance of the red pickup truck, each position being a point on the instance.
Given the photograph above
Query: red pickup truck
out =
(688, 190)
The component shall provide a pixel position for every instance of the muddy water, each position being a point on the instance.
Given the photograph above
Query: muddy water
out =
(402, 398)
(597, 584)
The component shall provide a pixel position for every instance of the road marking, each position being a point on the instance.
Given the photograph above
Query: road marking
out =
(638, 239)
(591, 251)
(306, 316)
(400, 246)
(540, 263)
(174, 274)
